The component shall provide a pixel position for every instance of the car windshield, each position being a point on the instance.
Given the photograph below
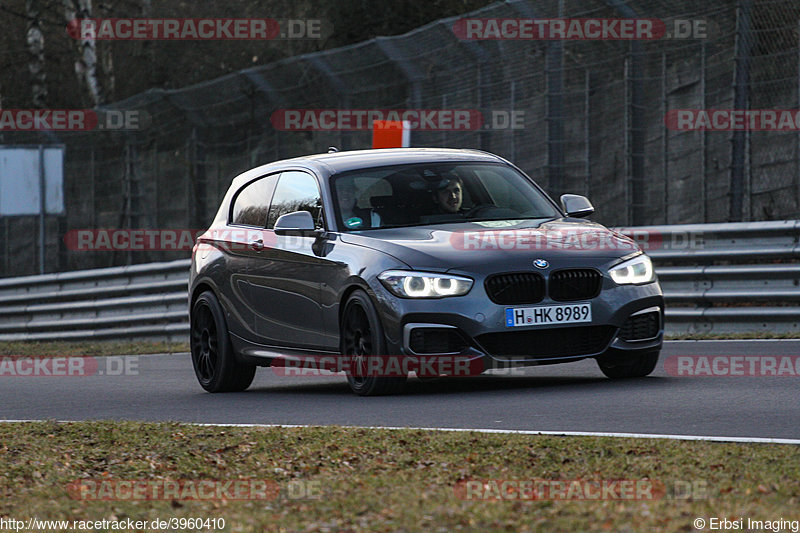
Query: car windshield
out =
(436, 193)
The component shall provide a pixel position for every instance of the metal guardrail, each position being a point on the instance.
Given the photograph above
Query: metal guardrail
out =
(119, 303)
(727, 278)
(717, 278)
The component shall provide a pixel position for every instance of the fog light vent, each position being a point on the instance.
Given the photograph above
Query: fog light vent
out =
(436, 340)
(641, 327)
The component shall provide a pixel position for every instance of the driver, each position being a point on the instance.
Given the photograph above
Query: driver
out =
(449, 195)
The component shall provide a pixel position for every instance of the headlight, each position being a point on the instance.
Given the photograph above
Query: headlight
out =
(634, 271)
(407, 284)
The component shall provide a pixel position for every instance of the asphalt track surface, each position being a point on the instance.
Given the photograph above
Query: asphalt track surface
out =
(568, 397)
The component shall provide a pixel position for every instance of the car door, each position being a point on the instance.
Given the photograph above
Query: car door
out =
(287, 274)
(240, 241)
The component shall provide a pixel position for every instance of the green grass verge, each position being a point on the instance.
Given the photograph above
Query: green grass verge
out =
(733, 336)
(387, 480)
(93, 348)
(100, 348)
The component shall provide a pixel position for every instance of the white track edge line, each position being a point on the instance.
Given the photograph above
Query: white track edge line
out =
(711, 438)
(731, 340)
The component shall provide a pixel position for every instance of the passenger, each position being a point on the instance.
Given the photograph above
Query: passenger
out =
(354, 217)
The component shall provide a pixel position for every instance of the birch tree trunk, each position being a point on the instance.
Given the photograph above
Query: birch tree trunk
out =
(108, 72)
(36, 64)
(86, 64)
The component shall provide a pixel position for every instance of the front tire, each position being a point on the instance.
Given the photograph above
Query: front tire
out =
(214, 362)
(362, 337)
(617, 364)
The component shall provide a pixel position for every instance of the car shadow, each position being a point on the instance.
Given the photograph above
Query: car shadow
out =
(461, 385)
(504, 383)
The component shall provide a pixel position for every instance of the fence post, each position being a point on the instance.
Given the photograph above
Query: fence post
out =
(704, 136)
(42, 210)
(414, 76)
(132, 185)
(513, 105)
(635, 126)
(277, 146)
(7, 247)
(587, 133)
(197, 181)
(156, 185)
(339, 86)
(189, 148)
(92, 190)
(484, 136)
(638, 131)
(554, 76)
(626, 137)
(741, 101)
(664, 136)
(444, 131)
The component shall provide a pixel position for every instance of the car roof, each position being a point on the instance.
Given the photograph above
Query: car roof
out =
(353, 160)
(336, 162)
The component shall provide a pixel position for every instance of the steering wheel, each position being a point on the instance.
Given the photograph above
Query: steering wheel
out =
(473, 212)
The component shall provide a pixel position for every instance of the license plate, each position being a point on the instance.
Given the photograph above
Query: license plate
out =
(548, 314)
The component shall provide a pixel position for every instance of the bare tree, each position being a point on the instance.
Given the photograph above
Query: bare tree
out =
(36, 64)
(86, 63)
(107, 58)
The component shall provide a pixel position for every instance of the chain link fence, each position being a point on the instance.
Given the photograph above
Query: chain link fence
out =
(593, 122)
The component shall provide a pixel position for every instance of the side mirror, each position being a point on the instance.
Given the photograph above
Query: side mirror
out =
(576, 206)
(297, 223)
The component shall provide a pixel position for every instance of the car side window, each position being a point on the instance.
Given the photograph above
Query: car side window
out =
(296, 191)
(251, 205)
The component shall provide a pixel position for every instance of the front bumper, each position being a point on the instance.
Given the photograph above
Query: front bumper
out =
(481, 325)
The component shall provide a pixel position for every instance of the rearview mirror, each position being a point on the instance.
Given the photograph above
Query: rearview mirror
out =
(576, 205)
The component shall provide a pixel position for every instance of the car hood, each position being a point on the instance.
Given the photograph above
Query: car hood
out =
(507, 245)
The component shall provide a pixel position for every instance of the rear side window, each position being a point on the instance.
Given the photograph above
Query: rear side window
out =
(296, 191)
(251, 205)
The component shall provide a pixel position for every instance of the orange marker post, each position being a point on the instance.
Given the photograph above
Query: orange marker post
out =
(391, 134)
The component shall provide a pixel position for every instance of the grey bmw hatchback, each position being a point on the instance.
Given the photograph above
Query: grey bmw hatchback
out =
(441, 262)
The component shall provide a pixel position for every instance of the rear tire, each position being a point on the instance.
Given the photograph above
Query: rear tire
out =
(616, 364)
(362, 336)
(215, 364)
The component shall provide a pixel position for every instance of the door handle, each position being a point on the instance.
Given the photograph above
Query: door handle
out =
(257, 244)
